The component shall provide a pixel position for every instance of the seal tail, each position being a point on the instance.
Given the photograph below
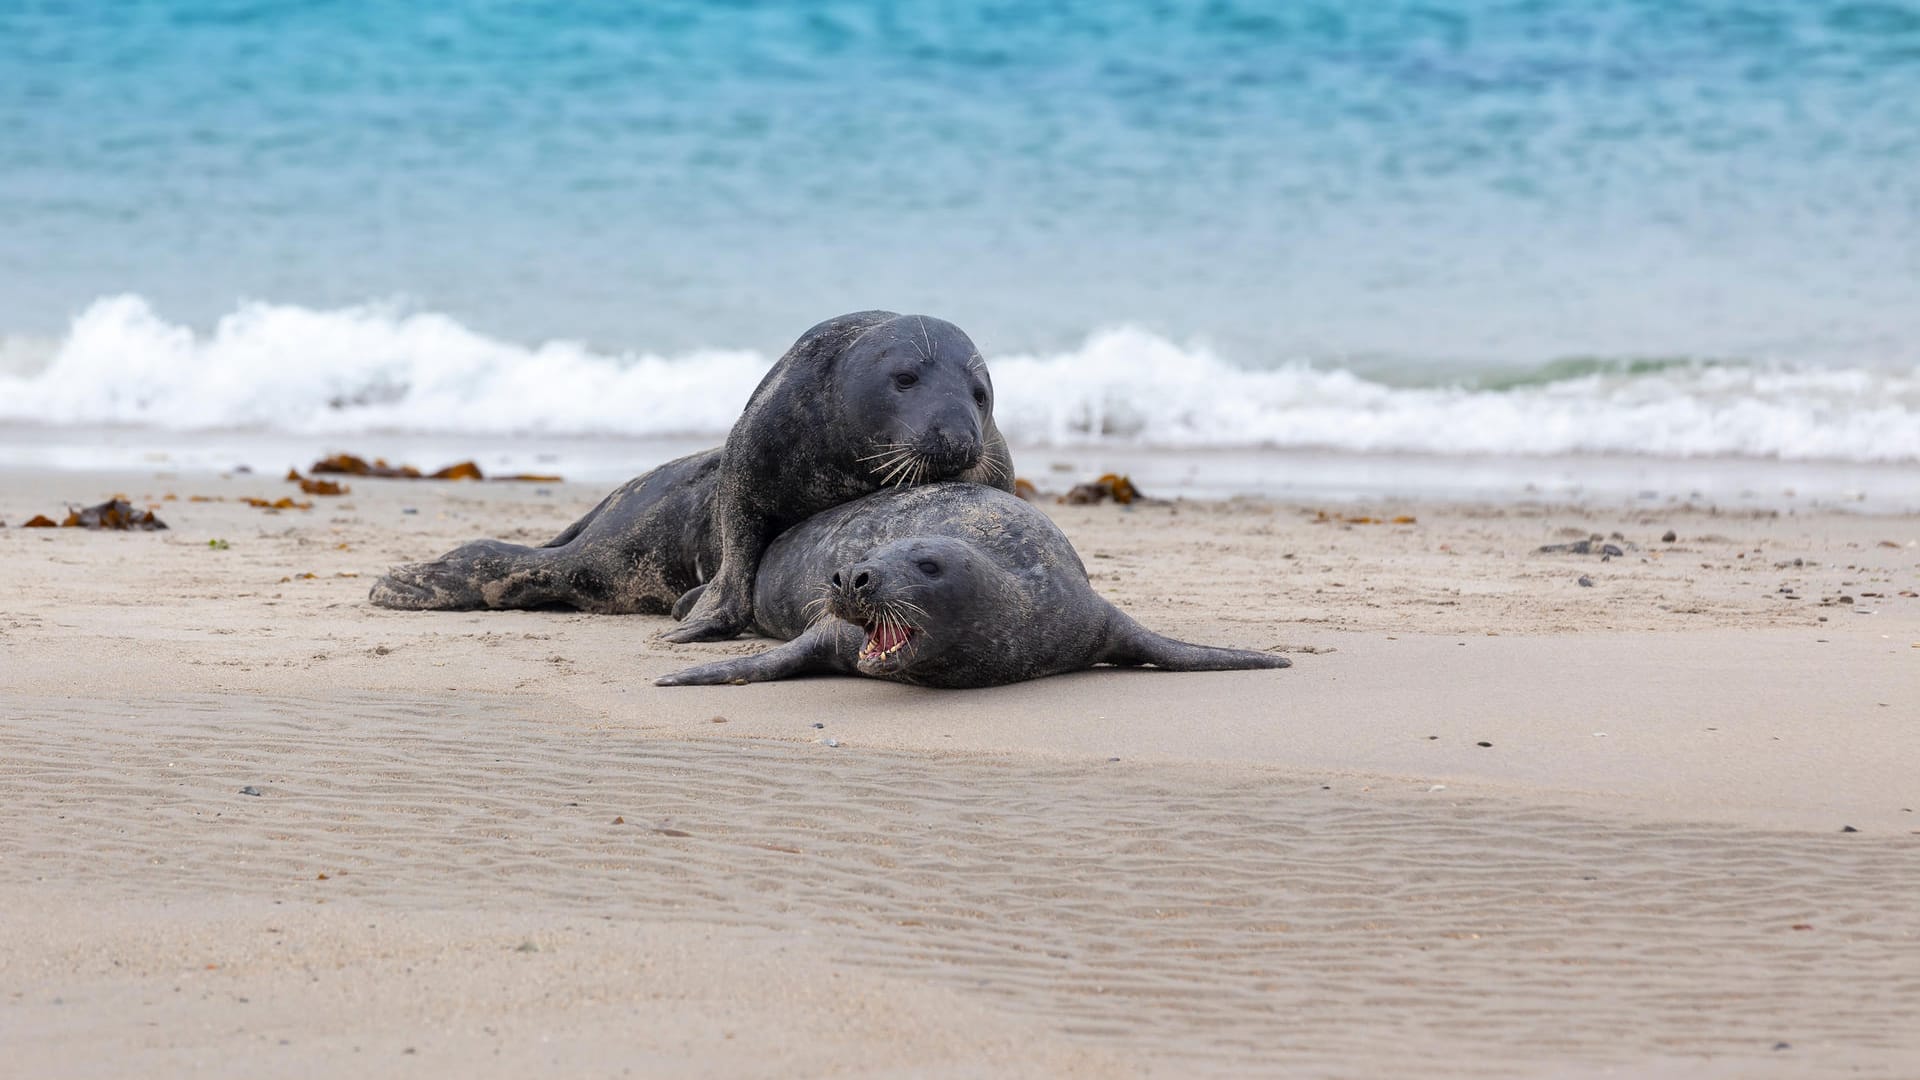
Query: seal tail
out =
(1131, 645)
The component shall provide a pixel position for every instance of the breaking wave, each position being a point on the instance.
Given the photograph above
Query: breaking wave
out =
(379, 369)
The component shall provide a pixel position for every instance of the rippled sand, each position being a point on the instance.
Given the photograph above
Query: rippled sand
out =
(485, 845)
(1174, 916)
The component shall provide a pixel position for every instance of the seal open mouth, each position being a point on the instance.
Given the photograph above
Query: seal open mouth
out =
(885, 640)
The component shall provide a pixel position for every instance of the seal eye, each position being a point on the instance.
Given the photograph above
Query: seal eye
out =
(930, 568)
(980, 396)
(905, 379)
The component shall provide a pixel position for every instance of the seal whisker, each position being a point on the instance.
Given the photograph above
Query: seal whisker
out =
(886, 450)
(907, 626)
(900, 470)
(820, 608)
(993, 469)
(886, 468)
(818, 604)
(823, 615)
(918, 470)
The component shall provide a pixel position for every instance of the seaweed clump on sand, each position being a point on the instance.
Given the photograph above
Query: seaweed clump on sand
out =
(351, 465)
(1321, 517)
(116, 514)
(1113, 486)
(316, 486)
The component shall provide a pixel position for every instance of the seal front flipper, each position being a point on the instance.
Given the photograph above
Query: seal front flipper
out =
(706, 616)
(687, 600)
(822, 650)
(723, 607)
(1131, 645)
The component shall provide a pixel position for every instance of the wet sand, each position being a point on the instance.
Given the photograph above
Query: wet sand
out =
(1316, 871)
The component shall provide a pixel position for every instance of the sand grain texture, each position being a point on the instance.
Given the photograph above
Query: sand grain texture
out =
(1317, 871)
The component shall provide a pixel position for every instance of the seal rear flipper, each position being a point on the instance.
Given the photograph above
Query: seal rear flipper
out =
(476, 576)
(1133, 645)
(819, 651)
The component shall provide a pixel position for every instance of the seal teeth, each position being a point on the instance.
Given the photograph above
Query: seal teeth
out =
(884, 639)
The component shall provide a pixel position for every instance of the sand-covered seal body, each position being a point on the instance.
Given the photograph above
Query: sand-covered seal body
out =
(949, 585)
(860, 402)
(638, 551)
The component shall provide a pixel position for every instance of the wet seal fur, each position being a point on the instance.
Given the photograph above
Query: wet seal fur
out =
(948, 585)
(858, 403)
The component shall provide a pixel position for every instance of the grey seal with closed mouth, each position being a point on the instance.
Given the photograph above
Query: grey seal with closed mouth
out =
(948, 585)
(859, 402)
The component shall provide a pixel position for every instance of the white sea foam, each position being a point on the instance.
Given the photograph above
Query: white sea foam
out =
(372, 369)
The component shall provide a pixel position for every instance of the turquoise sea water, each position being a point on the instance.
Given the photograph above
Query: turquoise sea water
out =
(1431, 194)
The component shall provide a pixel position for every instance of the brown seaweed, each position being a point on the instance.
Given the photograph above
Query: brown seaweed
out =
(116, 514)
(465, 470)
(351, 465)
(1115, 486)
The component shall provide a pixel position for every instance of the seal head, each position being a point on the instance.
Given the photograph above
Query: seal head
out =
(918, 391)
(930, 609)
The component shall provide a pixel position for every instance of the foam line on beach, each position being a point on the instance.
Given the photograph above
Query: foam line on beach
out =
(385, 369)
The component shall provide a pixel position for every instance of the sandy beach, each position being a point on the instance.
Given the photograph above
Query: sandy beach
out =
(1493, 821)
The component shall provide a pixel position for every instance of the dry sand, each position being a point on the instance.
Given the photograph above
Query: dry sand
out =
(1317, 871)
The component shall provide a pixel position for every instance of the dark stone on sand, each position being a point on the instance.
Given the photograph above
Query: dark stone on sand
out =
(1848, 828)
(1586, 582)
(1612, 549)
(1668, 537)
(1483, 744)
(250, 790)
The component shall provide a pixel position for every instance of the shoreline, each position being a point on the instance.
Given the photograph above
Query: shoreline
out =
(1208, 474)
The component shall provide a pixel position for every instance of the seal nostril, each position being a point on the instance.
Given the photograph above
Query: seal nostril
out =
(861, 579)
(836, 580)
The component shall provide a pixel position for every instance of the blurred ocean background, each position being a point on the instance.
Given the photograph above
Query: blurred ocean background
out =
(1673, 230)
